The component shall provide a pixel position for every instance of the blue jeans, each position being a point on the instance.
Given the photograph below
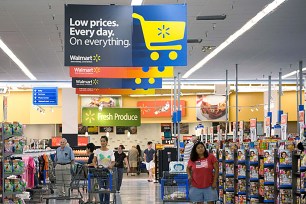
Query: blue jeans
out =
(120, 177)
(104, 197)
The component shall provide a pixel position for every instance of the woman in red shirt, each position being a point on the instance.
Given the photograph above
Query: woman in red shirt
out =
(202, 170)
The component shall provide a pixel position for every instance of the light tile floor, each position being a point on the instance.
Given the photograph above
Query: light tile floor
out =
(134, 190)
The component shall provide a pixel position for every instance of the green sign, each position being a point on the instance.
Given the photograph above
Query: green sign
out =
(111, 117)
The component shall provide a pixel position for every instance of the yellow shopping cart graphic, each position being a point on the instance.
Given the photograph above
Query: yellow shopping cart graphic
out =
(162, 32)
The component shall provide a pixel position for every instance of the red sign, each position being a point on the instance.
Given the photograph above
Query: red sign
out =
(156, 109)
(268, 121)
(56, 141)
(82, 141)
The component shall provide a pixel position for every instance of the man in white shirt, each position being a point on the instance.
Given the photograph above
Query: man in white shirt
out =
(188, 147)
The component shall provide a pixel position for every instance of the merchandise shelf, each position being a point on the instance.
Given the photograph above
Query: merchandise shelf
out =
(254, 196)
(229, 175)
(268, 201)
(241, 193)
(254, 179)
(303, 168)
(268, 165)
(268, 183)
(241, 177)
(229, 161)
(12, 174)
(230, 190)
(5, 137)
(241, 162)
(254, 163)
(285, 166)
(8, 154)
(285, 186)
(12, 193)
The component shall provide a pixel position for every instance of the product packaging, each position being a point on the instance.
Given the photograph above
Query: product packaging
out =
(17, 129)
(18, 166)
(8, 185)
(7, 167)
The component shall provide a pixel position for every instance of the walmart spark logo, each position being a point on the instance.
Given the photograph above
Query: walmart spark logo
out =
(96, 58)
(96, 70)
(163, 31)
(89, 116)
(95, 81)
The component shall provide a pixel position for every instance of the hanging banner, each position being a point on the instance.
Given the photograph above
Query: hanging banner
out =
(211, 135)
(111, 117)
(253, 131)
(219, 133)
(234, 131)
(110, 35)
(301, 123)
(121, 72)
(153, 109)
(210, 108)
(241, 131)
(284, 119)
(138, 83)
(268, 126)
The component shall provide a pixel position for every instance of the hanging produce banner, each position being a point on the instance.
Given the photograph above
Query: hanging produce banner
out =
(284, 119)
(253, 131)
(111, 117)
(123, 72)
(138, 83)
(211, 108)
(153, 109)
(268, 126)
(110, 35)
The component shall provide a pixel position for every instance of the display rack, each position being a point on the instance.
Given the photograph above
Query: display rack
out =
(11, 186)
(242, 176)
(221, 178)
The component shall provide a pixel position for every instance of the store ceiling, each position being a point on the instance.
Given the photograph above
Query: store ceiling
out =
(34, 30)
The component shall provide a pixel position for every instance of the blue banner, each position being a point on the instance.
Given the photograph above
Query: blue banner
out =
(45, 96)
(130, 36)
(139, 83)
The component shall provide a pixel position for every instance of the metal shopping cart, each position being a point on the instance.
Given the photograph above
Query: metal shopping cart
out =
(69, 179)
(103, 182)
(158, 35)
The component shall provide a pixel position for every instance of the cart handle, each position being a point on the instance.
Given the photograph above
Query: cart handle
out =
(139, 17)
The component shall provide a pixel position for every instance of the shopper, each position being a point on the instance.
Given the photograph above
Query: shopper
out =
(90, 147)
(188, 147)
(64, 161)
(149, 157)
(140, 158)
(104, 159)
(133, 157)
(202, 170)
(120, 156)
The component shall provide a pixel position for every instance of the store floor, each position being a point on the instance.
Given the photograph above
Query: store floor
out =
(134, 190)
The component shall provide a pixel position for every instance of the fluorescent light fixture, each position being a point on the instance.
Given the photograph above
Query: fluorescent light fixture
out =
(292, 73)
(209, 18)
(268, 9)
(136, 2)
(23, 68)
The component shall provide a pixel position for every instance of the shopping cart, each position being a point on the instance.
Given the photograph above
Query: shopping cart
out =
(68, 179)
(174, 187)
(158, 35)
(103, 181)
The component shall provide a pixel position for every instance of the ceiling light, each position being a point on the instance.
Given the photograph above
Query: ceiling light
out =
(292, 73)
(252, 109)
(214, 17)
(194, 40)
(268, 9)
(16, 60)
(136, 2)
(208, 48)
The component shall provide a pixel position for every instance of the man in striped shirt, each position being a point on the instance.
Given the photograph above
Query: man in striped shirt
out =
(188, 147)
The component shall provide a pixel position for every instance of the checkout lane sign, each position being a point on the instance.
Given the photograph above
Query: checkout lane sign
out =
(45, 96)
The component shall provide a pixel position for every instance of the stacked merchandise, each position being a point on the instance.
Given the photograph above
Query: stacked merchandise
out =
(14, 143)
(230, 184)
(254, 173)
(242, 184)
(221, 176)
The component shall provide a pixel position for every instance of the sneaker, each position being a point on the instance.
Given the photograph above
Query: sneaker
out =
(117, 191)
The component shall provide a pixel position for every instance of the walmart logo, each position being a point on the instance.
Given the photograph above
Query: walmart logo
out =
(96, 70)
(95, 81)
(89, 116)
(96, 58)
(163, 31)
